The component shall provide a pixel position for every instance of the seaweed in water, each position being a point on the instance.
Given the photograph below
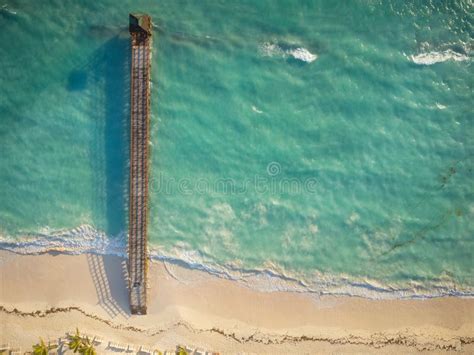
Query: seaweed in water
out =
(449, 174)
(435, 222)
(421, 234)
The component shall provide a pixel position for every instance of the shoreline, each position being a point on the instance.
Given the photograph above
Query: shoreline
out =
(188, 306)
(86, 240)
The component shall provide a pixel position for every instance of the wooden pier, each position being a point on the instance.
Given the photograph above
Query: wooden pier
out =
(140, 31)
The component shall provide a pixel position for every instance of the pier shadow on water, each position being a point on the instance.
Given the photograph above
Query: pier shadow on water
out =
(104, 82)
(110, 145)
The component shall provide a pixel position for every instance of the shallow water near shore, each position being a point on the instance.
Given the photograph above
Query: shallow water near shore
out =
(327, 145)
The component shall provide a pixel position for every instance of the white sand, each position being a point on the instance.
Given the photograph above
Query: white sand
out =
(194, 308)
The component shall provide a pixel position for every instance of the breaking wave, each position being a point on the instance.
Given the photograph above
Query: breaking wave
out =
(270, 49)
(271, 278)
(5, 9)
(434, 57)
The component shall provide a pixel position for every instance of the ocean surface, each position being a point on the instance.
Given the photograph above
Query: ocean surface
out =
(314, 146)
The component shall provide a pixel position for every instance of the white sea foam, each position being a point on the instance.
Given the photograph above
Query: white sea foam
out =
(256, 110)
(269, 278)
(434, 57)
(83, 239)
(303, 54)
(269, 49)
(7, 10)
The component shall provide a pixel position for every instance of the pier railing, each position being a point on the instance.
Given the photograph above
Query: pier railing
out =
(140, 31)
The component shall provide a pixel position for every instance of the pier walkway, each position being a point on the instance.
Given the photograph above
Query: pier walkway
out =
(140, 31)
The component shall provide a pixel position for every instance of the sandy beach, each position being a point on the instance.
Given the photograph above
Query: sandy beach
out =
(51, 294)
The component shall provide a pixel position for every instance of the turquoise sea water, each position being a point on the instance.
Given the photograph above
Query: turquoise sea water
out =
(313, 145)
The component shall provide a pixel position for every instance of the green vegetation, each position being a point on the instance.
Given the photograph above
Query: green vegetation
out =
(88, 347)
(82, 345)
(75, 341)
(41, 348)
